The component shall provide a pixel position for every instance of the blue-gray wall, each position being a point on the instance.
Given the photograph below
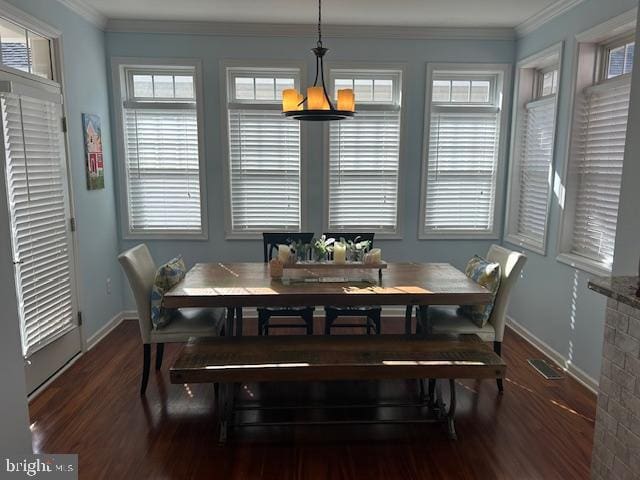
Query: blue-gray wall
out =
(552, 300)
(414, 53)
(85, 78)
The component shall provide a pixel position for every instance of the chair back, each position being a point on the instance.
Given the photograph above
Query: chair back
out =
(511, 265)
(271, 240)
(352, 236)
(140, 269)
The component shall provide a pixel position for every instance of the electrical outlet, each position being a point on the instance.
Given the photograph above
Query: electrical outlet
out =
(108, 286)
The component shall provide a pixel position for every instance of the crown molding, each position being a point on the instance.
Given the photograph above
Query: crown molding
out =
(545, 15)
(87, 12)
(611, 28)
(301, 30)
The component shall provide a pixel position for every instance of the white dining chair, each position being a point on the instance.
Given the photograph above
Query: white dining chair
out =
(140, 270)
(447, 319)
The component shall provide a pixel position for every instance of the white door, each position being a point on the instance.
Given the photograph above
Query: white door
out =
(34, 173)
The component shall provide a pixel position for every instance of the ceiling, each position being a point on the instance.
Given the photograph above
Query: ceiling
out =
(418, 13)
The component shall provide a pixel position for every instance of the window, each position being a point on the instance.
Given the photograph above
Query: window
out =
(264, 169)
(597, 151)
(364, 154)
(24, 50)
(163, 160)
(462, 150)
(532, 153)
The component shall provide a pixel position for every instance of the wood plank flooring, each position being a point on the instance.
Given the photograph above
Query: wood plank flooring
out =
(539, 429)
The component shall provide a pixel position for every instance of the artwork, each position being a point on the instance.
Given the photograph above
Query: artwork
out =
(93, 151)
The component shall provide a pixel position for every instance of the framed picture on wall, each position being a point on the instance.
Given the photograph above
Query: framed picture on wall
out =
(93, 151)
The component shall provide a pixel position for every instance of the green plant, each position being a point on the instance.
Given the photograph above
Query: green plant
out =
(322, 247)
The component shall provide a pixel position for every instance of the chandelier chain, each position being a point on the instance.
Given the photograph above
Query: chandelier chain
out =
(319, 23)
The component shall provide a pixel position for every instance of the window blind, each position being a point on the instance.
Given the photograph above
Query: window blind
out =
(264, 157)
(36, 188)
(363, 172)
(597, 161)
(162, 169)
(461, 170)
(534, 170)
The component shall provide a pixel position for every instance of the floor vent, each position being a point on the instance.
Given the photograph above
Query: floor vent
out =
(544, 369)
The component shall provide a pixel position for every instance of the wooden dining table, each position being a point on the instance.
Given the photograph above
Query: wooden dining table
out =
(235, 285)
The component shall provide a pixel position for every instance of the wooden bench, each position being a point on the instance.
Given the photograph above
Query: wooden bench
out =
(231, 360)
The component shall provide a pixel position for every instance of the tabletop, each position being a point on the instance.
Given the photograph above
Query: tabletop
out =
(250, 285)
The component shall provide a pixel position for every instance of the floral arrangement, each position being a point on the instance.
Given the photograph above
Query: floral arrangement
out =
(322, 247)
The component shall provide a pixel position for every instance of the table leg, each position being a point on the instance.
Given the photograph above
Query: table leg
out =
(423, 321)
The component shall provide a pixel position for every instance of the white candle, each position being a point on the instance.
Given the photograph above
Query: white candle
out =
(339, 253)
(284, 253)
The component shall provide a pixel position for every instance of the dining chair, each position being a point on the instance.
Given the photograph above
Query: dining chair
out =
(371, 313)
(140, 269)
(447, 319)
(270, 242)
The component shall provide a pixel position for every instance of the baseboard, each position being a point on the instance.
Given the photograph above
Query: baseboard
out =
(559, 359)
(94, 339)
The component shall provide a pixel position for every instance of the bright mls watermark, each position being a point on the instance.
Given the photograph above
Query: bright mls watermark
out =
(53, 467)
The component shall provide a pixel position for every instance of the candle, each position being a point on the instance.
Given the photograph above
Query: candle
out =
(374, 256)
(290, 99)
(316, 99)
(346, 100)
(284, 253)
(339, 253)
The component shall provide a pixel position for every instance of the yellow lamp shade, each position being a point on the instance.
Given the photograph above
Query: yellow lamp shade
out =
(290, 99)
(346, 100)
(316, 99)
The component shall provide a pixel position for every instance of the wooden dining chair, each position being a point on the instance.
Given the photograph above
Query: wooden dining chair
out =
(140, 269)
(270, 242)
(372, 314)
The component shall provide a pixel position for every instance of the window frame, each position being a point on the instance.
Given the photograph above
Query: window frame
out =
(359, 69)
(120, 66)
(527, 89)
(502, 92)
(587, 70)
(225, 89)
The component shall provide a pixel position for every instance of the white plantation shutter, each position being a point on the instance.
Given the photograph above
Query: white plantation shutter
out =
(461, 169)
(162, 169)
(534, 170)
(363, 171)
(36, 187)
(264, 157)
(597, 161)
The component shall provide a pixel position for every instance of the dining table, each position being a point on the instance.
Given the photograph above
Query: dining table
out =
(234, 285)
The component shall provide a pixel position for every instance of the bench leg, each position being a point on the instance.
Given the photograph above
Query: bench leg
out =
(239, 324)
(225, 403)
(452, 410)
(408, 313)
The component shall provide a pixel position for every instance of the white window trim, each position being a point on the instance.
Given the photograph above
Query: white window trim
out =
(118, 75)
(503, 69)
(587, 47)
(523, 93)
(401, 67)
(230, 234)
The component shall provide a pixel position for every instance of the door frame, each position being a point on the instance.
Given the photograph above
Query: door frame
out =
(30, 22)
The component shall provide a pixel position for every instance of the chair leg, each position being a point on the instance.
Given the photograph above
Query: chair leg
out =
(159, 353)
(146, 366)
(407, 319)
(329, 318)
(260, 322)
(308, 319)
(497, 348)
(376, 321)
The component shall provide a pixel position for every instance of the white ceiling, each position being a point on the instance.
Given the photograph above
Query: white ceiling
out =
(445, 13)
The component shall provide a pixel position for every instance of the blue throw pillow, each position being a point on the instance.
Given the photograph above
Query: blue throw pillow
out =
(167, 277)
(488, 275)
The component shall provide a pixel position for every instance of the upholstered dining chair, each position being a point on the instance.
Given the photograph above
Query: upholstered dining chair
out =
(270, 242)
(140, 269)
(447, 320)
(370, 312)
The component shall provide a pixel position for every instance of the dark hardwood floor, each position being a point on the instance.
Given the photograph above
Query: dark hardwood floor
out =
(539, 429)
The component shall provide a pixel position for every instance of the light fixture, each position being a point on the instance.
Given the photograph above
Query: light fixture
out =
(319, 106)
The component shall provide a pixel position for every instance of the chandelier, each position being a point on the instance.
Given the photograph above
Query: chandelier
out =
(319, 106)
